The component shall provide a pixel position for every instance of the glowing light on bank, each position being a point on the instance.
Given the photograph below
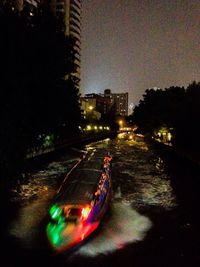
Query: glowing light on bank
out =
(91, 108)
(89, 127)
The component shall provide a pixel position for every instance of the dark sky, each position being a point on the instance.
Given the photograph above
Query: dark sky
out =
(132, 45)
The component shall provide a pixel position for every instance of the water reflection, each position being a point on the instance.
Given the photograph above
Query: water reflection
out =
(26, 227)
(142, 177)
(36, 184)
(139, 180)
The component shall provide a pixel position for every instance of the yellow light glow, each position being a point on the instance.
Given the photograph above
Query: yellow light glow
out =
(91, 108)
(85, 212)
(121, 135)
(121, 123)
(89, 127)
(169, 137)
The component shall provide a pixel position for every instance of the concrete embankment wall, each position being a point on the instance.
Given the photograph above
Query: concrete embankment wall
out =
(78, 140)
(178, 152)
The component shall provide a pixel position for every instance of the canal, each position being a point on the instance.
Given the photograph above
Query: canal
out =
(153, 219)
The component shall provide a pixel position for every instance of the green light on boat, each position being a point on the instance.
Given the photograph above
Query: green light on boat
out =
(54, 233)
(55, 212)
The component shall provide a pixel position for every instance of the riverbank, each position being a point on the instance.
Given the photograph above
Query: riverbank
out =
(35, 161)
(153, 214)
(77, 140)
(178, 152)
(41, 155)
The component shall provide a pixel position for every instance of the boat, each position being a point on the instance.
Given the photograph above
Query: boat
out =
(80, 204)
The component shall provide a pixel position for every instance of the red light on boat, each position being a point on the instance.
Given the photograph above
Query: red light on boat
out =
(85, 212)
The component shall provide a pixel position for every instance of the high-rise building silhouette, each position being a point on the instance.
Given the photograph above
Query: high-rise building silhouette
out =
(117, 103)
(19, 4)
(70, 12)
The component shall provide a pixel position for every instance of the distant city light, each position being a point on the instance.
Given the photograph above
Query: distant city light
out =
(89, 127)
(121, 123)
(91, 107)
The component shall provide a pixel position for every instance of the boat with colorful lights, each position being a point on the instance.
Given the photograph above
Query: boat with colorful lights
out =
(81, 203)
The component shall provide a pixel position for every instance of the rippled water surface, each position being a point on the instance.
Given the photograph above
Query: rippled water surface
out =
(140, 181)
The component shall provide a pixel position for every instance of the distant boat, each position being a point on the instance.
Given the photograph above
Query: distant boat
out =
(80, 203)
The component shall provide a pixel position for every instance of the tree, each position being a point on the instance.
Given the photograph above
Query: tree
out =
(38, 95)
(187, 125)
(159, 108)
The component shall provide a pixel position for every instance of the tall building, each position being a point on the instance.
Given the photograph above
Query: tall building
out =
(99, 102)
(106, 103)
(19, 4)
(89, 107)
(70, 11)
(120, 102)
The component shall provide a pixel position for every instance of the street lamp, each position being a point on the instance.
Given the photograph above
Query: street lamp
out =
(121, 123)
(91, 108)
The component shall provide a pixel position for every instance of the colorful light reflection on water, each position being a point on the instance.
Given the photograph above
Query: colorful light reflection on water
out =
(139, 180)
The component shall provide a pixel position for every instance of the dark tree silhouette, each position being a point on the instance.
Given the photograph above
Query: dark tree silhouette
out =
(175, 108)
(187, 127)
(158, 108)
(38, 95)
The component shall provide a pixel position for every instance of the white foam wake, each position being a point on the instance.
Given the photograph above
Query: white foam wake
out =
(124, 226)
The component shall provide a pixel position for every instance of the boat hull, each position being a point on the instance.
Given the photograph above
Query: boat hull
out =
(75, 217)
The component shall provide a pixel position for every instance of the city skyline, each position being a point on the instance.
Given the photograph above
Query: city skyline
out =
(135, 45)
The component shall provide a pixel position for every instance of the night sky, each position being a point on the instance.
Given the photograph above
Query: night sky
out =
(132, 45)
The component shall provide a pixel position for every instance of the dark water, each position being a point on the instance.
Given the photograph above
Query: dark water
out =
(153, 220)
